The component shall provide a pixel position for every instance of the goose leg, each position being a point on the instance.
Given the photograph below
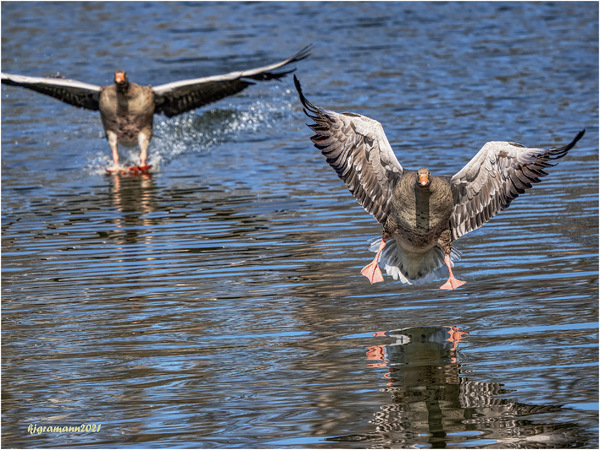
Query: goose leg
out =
(143, 142)
(452, 282)
(113, 142)
(372, 270)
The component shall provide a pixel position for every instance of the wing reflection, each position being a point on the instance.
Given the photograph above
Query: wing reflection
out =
(432, 403)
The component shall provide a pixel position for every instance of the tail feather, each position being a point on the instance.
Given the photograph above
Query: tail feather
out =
(407, 267)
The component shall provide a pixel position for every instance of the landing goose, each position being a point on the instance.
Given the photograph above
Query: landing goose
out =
(422, 214)
(127, 109)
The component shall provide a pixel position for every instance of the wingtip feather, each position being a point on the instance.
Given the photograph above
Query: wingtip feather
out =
(559, 152)
(302, 54)
(308, 106)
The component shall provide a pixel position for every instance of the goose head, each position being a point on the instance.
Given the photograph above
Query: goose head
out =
(121, 81)
(423, 177)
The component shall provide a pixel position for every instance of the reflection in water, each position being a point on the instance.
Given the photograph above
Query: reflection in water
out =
(432, 403)
(133, 197)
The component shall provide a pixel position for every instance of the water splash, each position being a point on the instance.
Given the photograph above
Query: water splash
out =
(198, 132)
(201, 133)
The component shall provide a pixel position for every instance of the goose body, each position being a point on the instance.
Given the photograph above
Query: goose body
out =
(422, 214)
(127, 109)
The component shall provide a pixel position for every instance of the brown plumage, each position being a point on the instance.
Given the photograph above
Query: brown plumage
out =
(422, 214)
(127, 109)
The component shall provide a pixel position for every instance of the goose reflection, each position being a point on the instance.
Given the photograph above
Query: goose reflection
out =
(134, 198)
(432, 404)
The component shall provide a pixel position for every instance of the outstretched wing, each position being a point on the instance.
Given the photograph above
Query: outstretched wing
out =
(73, 92)
(358, 150)
(182, 96)
(494, 178)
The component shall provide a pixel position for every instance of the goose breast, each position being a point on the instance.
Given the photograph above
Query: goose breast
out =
(419, 216)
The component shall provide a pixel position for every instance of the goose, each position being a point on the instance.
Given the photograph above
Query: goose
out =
(422, 214)
(127, 109)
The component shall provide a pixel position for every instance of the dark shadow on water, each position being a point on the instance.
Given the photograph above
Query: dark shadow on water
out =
(434, 405)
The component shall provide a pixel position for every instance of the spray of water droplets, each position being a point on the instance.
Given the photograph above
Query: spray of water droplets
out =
(201, 131)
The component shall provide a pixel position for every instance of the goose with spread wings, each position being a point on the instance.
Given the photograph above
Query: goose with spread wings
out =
(422, 214)
(127, 109)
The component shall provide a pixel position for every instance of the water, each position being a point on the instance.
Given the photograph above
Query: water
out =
(219, 302)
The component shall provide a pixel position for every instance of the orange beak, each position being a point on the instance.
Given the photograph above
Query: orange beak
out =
(423, 179)
(119, 77)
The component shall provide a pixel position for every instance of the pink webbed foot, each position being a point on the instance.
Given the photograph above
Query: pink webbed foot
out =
(372, 270)
(452, 283)
(116, 169)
